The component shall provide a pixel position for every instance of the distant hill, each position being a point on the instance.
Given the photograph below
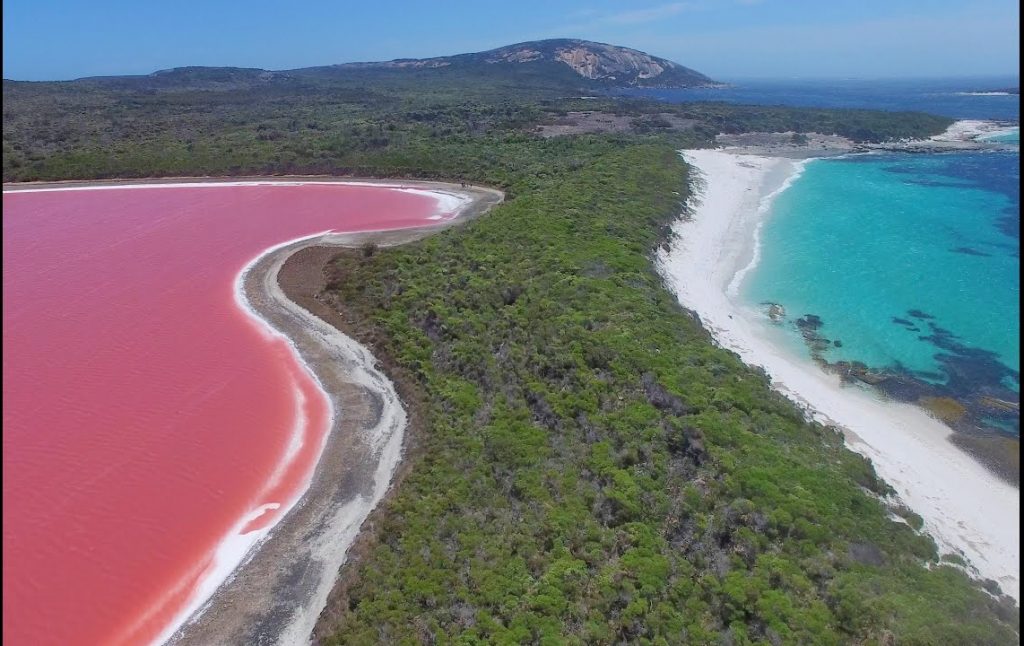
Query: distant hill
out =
(566, 63)
(596, 63)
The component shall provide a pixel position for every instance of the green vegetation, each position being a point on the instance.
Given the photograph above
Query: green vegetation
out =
(199, 121)
(592, 469)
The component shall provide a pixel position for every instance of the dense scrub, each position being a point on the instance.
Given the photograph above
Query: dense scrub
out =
(593, 469)
(232, 122)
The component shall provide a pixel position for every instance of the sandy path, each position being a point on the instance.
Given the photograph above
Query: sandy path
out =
(966, 508)
(277, 594)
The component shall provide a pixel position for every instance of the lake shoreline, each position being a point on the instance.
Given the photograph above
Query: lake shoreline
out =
(278, 592)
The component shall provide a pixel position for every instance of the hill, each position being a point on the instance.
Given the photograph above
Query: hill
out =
(592, 63)
(566, 64)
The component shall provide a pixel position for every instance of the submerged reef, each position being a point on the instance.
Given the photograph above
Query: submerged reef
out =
(971, 391)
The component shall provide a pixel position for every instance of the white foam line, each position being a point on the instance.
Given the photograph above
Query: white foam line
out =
(1008, 130)
(763, 208)
(234, 548)
(973, 129)
(296, 440)
(966, 509)
(982, 93)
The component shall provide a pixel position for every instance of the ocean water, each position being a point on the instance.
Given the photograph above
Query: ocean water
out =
(911, 262)
(950, 97)
(147, 418)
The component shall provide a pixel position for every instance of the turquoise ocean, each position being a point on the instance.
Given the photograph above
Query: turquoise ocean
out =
(905, 262)
(910, 261)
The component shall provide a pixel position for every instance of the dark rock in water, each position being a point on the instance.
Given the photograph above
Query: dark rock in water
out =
(809, 321)
(970, 252)
(857, 370)
(818, 344)
(873, 378)
(776, 312)
(968, 391)
(910, 325)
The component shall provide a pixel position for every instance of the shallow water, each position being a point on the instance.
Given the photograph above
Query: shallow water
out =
(146, 416)
(910, 261)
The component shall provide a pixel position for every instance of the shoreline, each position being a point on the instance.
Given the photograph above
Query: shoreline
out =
(967, 510)
(281, 584)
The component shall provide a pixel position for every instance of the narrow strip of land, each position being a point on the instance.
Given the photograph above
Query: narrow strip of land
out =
(276, 595)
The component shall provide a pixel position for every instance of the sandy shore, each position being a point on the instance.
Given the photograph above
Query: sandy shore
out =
(277, 592)
(966, 509)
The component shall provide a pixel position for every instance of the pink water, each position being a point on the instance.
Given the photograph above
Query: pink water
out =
(145, 413)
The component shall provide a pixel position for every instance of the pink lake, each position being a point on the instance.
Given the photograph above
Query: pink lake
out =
(146, 415)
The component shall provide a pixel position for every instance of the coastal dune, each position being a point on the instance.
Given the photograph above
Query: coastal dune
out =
(966, 509)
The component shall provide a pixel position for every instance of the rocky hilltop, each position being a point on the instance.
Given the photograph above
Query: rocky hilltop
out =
(608, 65)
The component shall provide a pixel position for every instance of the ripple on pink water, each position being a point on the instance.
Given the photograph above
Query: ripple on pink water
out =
(143, 411)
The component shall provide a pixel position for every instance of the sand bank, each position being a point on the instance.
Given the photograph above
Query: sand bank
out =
(271, 587)
(966, 509)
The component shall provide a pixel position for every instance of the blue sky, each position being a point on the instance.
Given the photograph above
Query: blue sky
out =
(726, 39)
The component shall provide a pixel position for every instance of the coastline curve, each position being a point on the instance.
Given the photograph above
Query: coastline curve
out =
(967, 509)
(276, 594)
(269, 584)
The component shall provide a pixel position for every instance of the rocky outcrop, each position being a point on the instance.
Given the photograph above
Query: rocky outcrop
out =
(599, 63)
(604, 63)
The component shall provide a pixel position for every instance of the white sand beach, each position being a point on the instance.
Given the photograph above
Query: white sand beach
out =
(966, 509)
